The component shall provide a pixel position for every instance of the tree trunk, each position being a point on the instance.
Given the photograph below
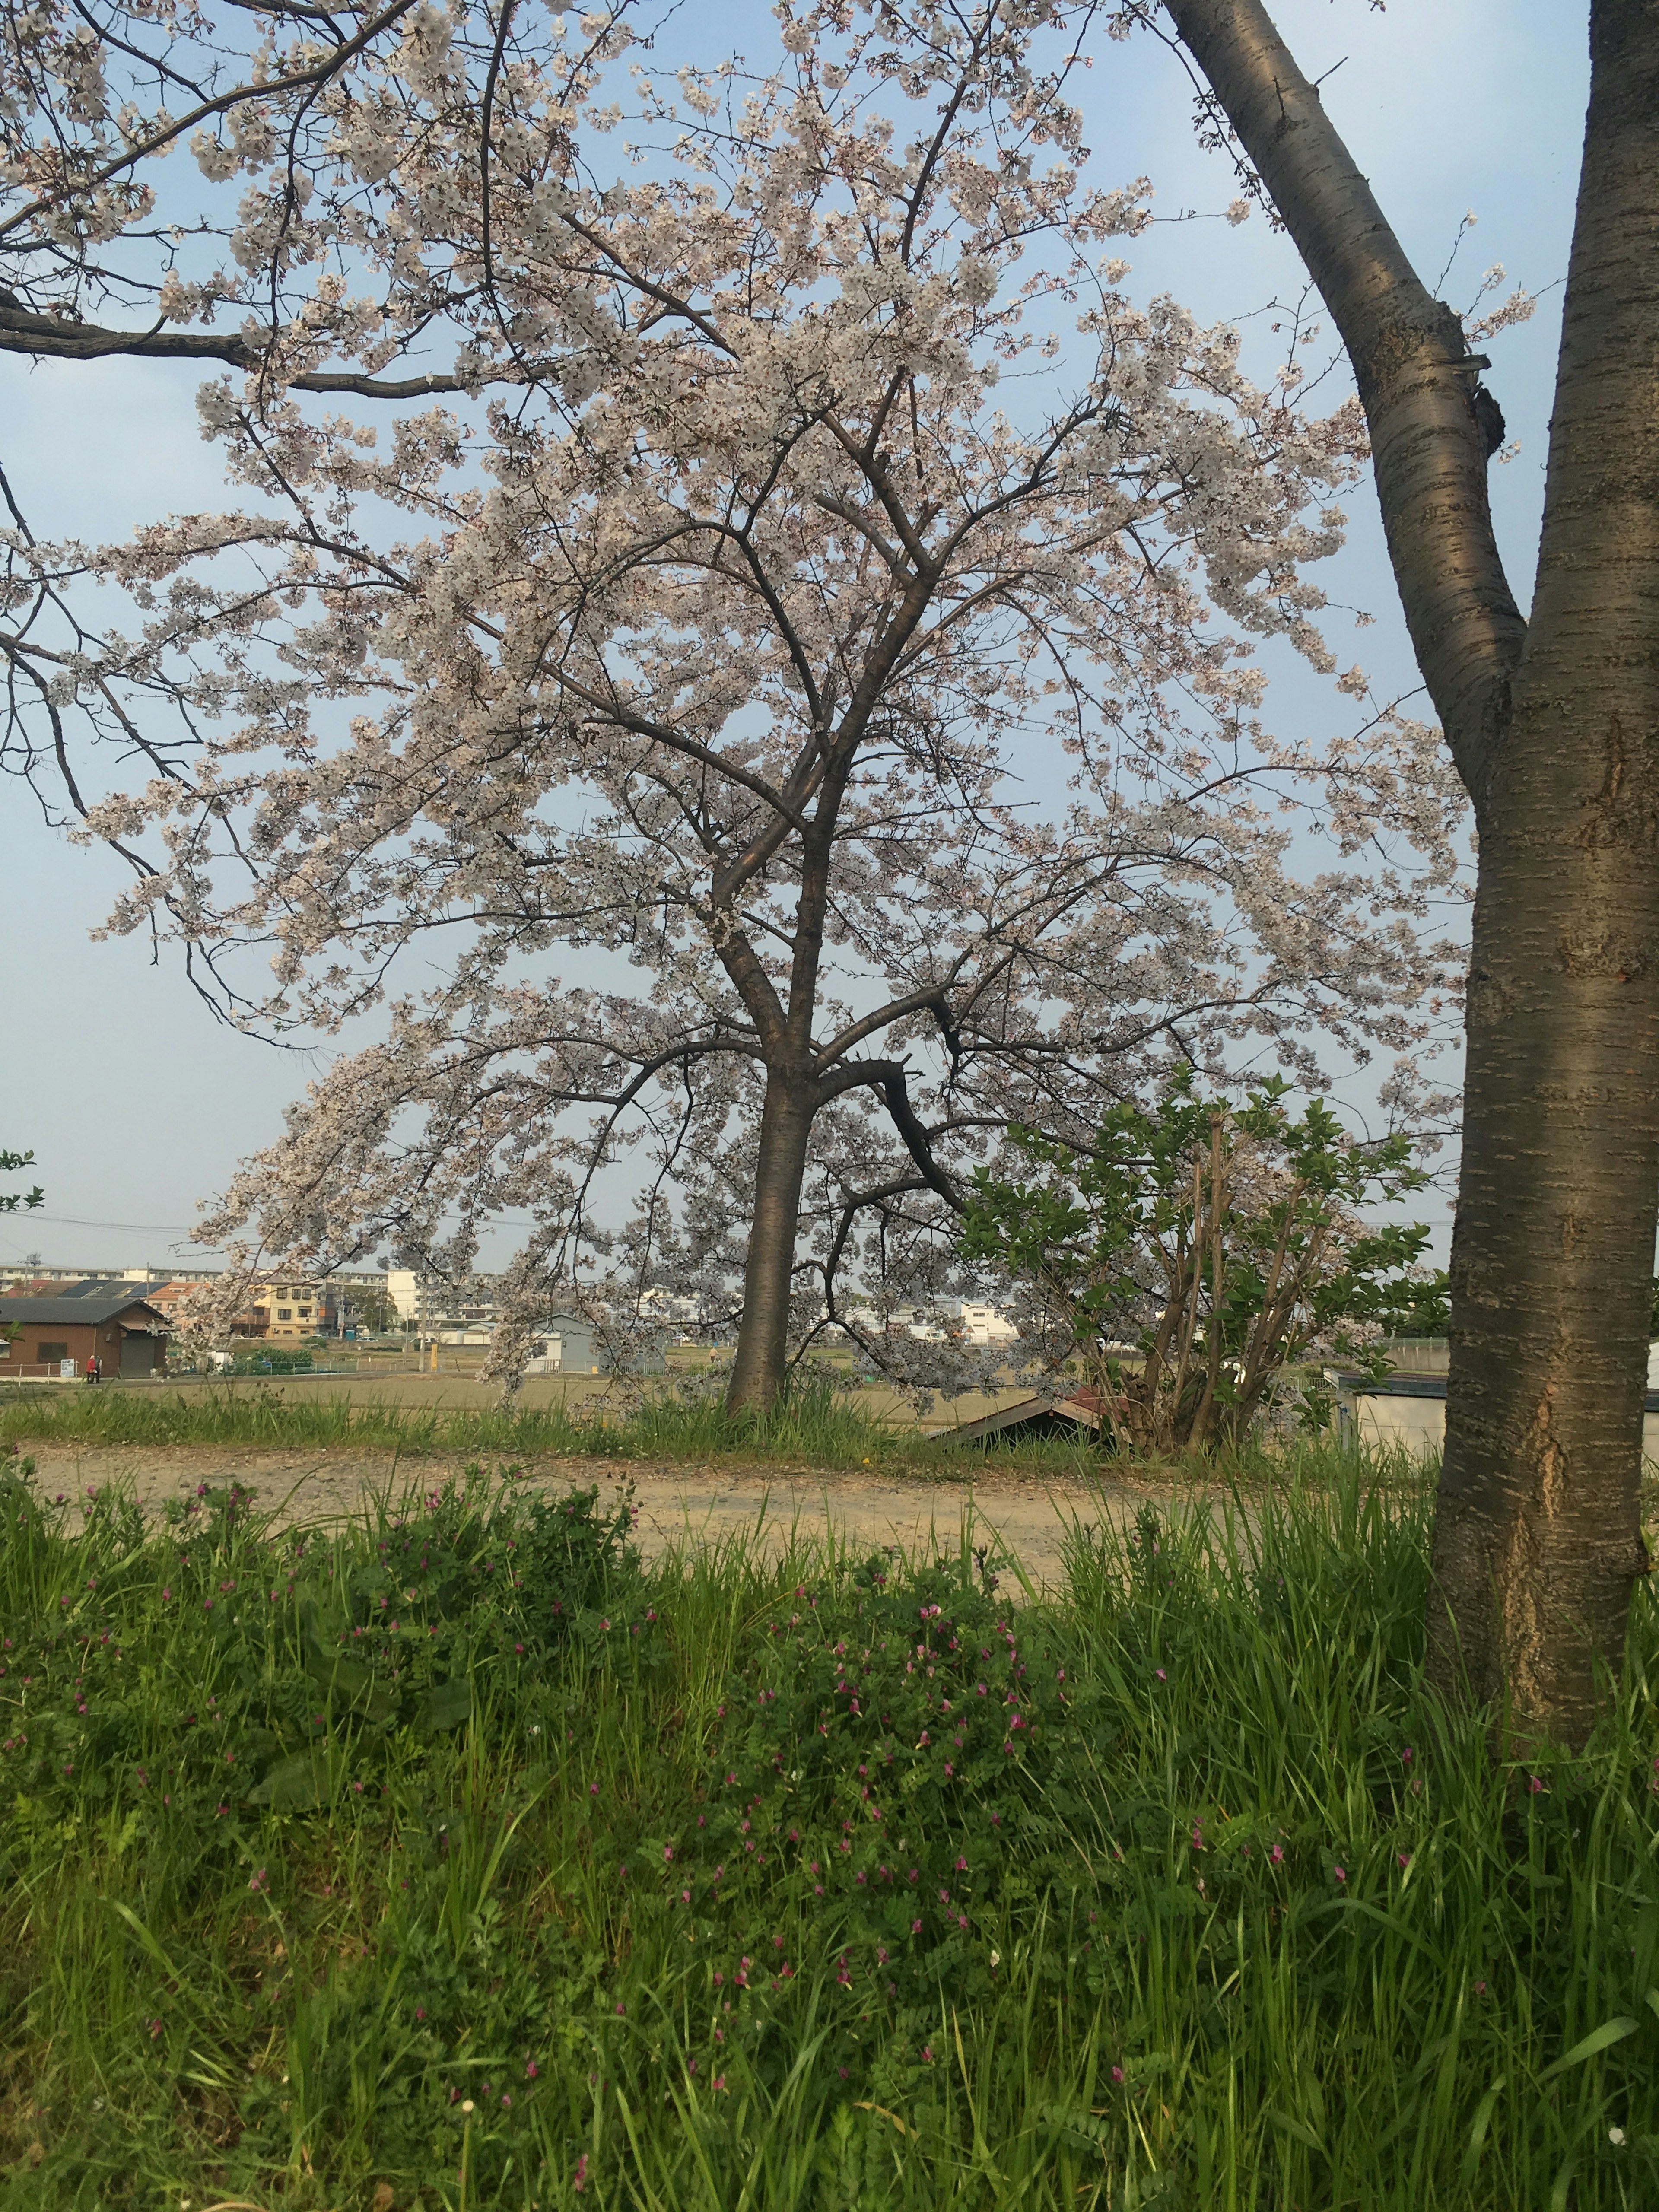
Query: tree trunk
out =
(1554, 727)
(757, 1372)
(1538, 1539)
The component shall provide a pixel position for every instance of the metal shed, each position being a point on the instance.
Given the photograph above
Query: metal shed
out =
(567, 1344)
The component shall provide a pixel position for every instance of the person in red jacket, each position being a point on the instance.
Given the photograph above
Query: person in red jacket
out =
(92, 1369)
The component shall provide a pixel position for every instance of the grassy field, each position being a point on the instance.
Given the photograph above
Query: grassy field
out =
(456, 1859)
(826, 1425)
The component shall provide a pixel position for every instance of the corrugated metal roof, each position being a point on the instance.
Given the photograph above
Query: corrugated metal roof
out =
(91, 1303)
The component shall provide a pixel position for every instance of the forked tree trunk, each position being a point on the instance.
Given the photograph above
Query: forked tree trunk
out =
(758, 1371)
(1554, 727)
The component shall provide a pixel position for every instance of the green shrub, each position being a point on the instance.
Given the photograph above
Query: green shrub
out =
(271, 1359)
(1217, 1244)
(721, 1882)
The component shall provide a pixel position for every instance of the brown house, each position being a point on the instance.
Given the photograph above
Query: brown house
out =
(127, 1335)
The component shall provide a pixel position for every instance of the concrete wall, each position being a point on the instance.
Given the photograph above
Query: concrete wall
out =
(1419, 1425)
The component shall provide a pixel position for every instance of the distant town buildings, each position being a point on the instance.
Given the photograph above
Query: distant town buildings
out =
(289, 1311)
(960, 1320)
(294, 1310)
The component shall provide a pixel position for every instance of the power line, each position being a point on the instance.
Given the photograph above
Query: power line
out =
(507, 1219)
(140, 1228)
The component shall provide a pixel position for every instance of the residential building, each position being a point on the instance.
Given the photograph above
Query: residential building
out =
(289, 1310)
(55, 1337)
(476, 1331)
(411, 1296)
(966, 1321)
(570, 1345)
(985, 1325)
(430, 1307)
(927, 1324)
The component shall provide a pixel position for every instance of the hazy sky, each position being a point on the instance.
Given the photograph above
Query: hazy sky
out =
(138, 1103)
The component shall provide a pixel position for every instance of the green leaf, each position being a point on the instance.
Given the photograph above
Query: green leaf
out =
(1395, 1927)
(149, 1941)
(1289, 2127)
(1601, 2038)
(449, 1704)
(1483, 2113)
(350, 1679)
(298, 1784)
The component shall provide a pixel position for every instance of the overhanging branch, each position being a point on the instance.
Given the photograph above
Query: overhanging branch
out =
(1417, 378)
(46, 337)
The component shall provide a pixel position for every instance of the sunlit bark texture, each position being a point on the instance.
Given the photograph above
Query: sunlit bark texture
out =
(1552, 723)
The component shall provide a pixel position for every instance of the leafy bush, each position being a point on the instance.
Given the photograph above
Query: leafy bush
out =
(918, 1739)
(270, 1359)
(285, 1667)
(18, 1202)
(727, 1885)
(1214, 1245)
(1429, 1310)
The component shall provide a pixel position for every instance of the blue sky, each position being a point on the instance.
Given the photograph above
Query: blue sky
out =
(138, 1104)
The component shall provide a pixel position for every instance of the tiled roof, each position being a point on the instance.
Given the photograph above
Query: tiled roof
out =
(89, 1304)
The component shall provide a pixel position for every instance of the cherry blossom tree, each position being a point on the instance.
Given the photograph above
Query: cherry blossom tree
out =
(864, 715)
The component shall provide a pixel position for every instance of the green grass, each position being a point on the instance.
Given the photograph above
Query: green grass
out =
(819, 1423)
(685, 1880)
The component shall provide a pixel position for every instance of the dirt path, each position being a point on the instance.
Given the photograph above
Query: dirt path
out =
(706, 1503)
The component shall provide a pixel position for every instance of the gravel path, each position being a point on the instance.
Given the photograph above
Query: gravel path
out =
(708, 1503)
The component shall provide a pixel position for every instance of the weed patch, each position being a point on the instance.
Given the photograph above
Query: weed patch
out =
(819, 1425)
(816, 1422)
(456, 1853)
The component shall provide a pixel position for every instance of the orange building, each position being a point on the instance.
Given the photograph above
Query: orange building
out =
(287, 1312)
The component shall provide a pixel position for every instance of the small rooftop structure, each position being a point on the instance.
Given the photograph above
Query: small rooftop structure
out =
(1078, 1415)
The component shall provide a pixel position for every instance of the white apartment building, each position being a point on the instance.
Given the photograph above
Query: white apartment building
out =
(434, 1307)
(970, 1321)
(986, 1325)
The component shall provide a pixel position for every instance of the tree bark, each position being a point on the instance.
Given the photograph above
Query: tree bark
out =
(757, 1371)
(1417, 381)
(1554, 727)
(1538, 1539)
